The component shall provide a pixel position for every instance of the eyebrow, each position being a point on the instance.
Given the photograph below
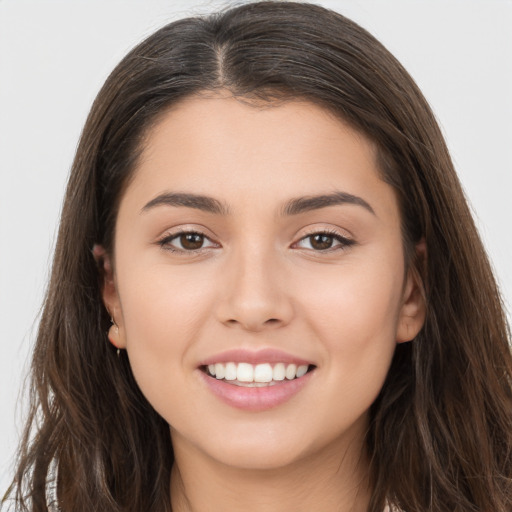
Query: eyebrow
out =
(308, 203)
(199, 202)
(292, 207)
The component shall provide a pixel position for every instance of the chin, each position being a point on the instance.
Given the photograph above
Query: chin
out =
(260, 458)
(273, 447)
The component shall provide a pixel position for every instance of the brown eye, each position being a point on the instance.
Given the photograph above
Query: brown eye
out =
(191, 241)
(324, 241)
(186, 242)
(321, 241)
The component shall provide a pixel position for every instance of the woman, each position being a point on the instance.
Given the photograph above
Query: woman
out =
(268, 292)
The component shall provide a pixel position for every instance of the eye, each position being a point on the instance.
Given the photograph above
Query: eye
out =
(324, 241)
(186, 241)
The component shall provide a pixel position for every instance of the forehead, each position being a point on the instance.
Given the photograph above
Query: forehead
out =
(236, 150)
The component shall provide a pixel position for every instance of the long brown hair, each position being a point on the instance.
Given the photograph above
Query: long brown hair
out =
(440, 433)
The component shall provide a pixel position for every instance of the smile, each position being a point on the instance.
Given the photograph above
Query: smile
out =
(255, 381)
(259, 375)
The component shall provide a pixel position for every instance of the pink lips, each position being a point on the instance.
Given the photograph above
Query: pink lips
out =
(254, 398)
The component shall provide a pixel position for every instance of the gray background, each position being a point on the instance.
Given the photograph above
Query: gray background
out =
(54, 56)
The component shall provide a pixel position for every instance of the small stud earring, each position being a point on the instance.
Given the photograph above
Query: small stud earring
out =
(114, 324)
(113, 339)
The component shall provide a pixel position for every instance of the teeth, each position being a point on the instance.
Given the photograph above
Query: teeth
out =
(263, 373)
(245, 372)
(220, 371)
(279, 372)
(231, 372)
(291, 371)
(302, 370)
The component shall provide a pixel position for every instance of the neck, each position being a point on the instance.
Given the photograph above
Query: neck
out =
(332, 480)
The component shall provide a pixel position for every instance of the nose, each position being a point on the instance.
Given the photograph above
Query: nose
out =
(255, 295)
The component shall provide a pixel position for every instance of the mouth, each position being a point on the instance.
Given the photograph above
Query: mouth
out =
(260, 375)
(256, 380)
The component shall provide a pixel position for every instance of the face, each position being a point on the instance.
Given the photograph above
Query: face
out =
(257, 244)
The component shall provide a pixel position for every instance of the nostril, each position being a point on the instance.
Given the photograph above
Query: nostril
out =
(253, 324)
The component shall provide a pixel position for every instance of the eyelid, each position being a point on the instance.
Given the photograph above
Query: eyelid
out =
(164, 240)
(344, 241)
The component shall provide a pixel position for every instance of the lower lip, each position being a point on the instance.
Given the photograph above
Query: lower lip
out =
(255, 399)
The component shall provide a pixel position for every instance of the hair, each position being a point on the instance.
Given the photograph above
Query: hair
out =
(440, 433)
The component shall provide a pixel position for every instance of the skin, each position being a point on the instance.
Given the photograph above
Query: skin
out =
(259, 282)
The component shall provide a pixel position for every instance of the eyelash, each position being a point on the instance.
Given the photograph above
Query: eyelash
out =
(344, 242)
(165, 243)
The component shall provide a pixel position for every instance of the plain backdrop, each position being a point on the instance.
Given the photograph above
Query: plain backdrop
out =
(54, 56)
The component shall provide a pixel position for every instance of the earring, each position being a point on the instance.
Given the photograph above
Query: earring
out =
(113, 322)
(112, 337)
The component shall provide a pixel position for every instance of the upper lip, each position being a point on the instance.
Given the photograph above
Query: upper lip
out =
(267, 355)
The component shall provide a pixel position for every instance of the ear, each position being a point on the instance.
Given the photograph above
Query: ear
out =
(110, 296)
(414, 308)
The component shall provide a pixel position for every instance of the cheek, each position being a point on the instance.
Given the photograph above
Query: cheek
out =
(356, 317)
(162, 300)
(356, 324)
(163, 311)
(360, 303)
